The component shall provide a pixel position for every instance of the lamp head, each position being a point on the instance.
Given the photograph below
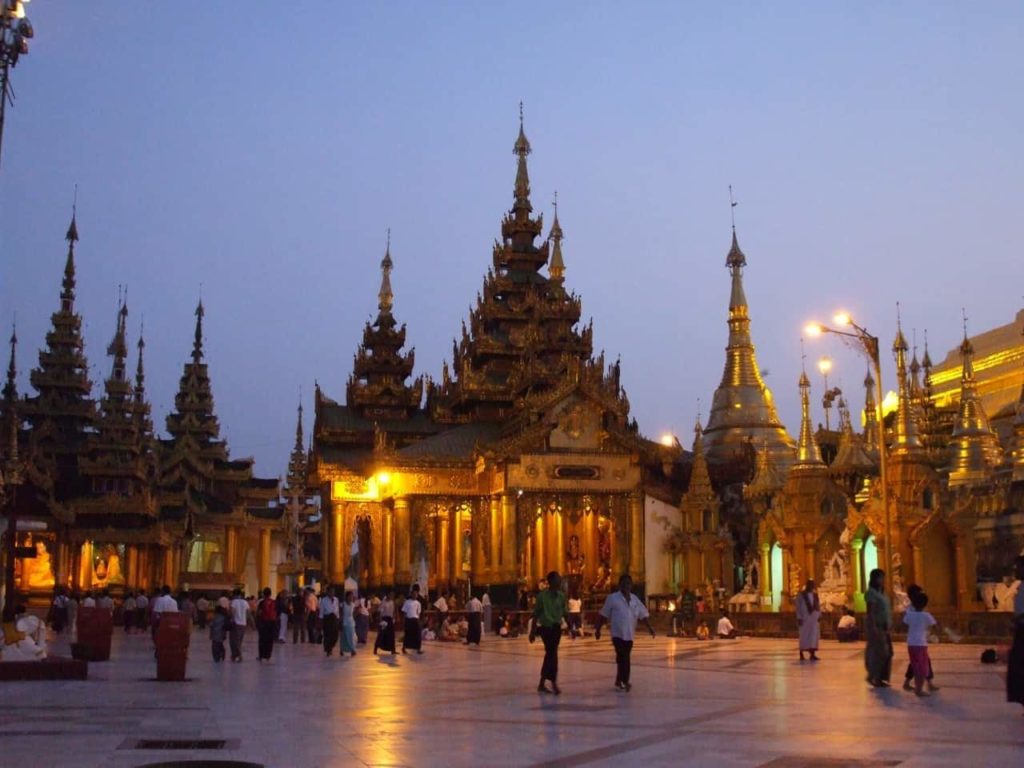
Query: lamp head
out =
(842, 318)
(814, 329)
(825, 364)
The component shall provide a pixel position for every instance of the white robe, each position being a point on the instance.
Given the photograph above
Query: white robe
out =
(810, 632)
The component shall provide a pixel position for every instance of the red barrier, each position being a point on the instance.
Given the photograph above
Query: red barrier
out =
(172, 636)
(95, 627)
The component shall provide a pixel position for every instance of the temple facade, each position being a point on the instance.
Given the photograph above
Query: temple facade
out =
(520, 459)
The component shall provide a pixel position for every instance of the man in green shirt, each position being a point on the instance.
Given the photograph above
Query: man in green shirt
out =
(547, 622)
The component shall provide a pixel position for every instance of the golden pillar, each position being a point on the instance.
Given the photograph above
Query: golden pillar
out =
(812, 565)
(231, 549)
(443, 534)
(589, 547)
(478, 557)
(494, 559)
(539, 550)
(85, 566)
(765, 576)
(387, 547)
(853, 589)
(918, 575)
(402, 531)
(636, 537)
(336, 560)
(131, 566)
(455, 547)
(509, 545)
(263, 559)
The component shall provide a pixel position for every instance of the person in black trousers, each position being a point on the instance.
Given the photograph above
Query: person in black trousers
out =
(548, 614)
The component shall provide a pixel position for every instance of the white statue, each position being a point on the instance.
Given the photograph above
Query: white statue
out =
(24, 639)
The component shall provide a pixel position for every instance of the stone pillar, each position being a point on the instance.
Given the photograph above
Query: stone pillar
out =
(509, 544)
(263, 559)
(636, 538)
(402, 534)
(765, 574)
(387, 546)
(478, 558)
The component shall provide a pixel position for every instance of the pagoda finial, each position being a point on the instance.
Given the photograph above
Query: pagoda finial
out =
(871, 436)
(140, 374)
(118, 347)
(556, 267)
(522, 149)
(974, 449)
(67, 294)
(807, 454)
(905, 437)
(197, 344)
(386, 296)
(10, 392)
(736, 260)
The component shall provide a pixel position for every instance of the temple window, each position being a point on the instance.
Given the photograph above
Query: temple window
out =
(928, 499)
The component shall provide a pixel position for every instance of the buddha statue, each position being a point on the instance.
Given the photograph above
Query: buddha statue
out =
(38, 571)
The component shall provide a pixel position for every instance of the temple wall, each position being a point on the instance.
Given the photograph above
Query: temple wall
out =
(659, 517)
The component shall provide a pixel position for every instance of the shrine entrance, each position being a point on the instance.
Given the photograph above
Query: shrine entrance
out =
(777, 582)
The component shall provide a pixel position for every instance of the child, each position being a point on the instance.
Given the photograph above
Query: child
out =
(218, 632)
(918, 622)
(703, 633)
(909, 677)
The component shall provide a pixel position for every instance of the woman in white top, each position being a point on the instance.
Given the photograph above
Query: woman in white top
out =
(411, 610)
(386, 630)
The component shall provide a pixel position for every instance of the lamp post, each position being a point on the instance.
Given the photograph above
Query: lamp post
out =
(869, 346)
(15, 32)
(825, 365)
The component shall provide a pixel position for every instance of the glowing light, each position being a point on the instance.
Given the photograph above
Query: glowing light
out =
(890, 403)
(813, 329)
(671, 605)
(668, 439)
(825, 364)
(842, 318)
(383, 478)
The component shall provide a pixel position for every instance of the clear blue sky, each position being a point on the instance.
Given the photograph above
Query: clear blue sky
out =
(263, 149)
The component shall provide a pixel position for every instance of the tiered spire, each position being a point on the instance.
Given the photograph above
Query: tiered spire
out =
(297, 462)
(743, 408)
(807, 453)
(851, 457)
(699, 496)
(905, 438)
(62, 413)
(377, 386)
(974, 449)
(522, 339)
(766, 480)
(193, 420)
(872, 433)
(140, 406)
(10, 391)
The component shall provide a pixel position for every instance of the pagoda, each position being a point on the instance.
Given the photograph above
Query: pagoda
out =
(522, 337)
(62, 413)
(742, 410)
(376, 387)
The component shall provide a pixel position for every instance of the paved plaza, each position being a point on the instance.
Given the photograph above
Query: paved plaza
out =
(743, 703)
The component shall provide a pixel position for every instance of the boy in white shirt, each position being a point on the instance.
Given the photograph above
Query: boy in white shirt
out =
(918, 622)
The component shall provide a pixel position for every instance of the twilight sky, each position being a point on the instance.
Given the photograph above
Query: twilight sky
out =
(262, 151)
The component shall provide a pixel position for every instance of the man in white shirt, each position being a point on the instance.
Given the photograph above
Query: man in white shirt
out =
(88, 601)
(442, 610)
(411, 610)
(485, 601)
(239, 613)
(622, 609)
(161, 605)
(726, 631)
(330, 617)
(141, 610)
(474, 616)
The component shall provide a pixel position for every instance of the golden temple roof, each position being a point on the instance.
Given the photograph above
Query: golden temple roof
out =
(974, 450)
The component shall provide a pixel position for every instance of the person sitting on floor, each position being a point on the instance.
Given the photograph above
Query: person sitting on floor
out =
(847, 630)
(726, 631)
(703, 633)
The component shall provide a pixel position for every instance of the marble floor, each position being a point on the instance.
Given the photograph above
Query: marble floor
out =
(743, 703)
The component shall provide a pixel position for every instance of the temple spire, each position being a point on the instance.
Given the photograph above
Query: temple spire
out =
(118, 347)
(197, 344)
(140, 373)
(10, 393)
(743, 408)
(556, 267)
(905, 437)
(67, 294)
(386, 296)
(522, 148)
(872, 438)
(807, 453)
(974, 449)
(296, 480)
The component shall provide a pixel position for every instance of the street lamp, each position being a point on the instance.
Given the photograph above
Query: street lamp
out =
(15, 32)
(868, 345)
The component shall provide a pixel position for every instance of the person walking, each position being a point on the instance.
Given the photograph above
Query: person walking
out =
(218, 633)
(919, 622)
(441, 604)
(312, 615)
(385, 640)
(488, 618)
(298, 617)
(908, 678)
(411, 610)
(128, 613)
(330, 614)
(548, 613)
(808, 614)
(239, 615)
(362, 619)
(266, 624)
(348, 624)
(283, 611)
(202, 611)
(161, 605)
(575, 607)
(1015, 663)
(877, 626)
(141, 610)
(622, 609)
(474, 618)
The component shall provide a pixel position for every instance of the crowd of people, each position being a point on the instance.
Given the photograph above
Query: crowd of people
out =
(331, 618)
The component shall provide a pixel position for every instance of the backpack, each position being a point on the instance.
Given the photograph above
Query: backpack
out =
(268, 610)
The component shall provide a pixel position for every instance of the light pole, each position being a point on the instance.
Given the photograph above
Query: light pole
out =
(15, 32)
(825, 365)
(868, 344)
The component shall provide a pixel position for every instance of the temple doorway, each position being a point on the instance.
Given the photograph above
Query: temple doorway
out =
(777, 580)
(870, 558)
(939, 565)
